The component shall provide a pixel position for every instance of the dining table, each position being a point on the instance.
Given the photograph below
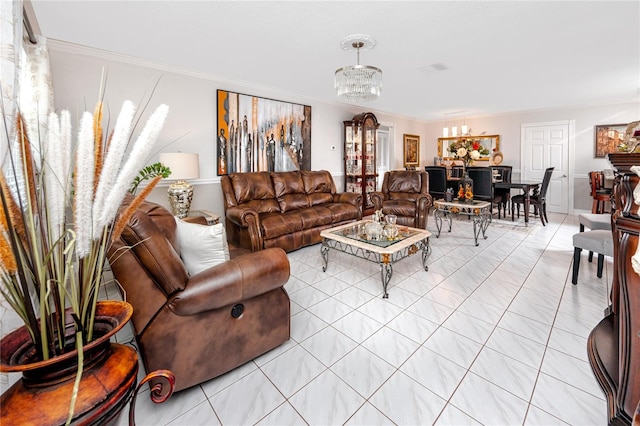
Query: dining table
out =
(527, 187)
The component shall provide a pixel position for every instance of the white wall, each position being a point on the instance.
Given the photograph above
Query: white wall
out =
(191, 124)
(508, 127)
(191, 97)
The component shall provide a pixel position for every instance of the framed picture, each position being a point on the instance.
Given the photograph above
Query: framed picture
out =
(411, 150)
(608, 137)
(259, 134)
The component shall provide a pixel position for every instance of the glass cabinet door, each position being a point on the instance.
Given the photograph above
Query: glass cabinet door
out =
(360, 157)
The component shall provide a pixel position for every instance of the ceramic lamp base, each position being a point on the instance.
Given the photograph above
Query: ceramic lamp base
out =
(180, 194)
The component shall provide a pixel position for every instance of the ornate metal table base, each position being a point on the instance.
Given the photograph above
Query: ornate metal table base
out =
(478, 211)
(385, 260)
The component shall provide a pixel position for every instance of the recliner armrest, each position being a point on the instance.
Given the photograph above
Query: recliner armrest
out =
(233, 281)
(377, 198)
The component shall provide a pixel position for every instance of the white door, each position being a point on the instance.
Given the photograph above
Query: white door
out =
(546, 145)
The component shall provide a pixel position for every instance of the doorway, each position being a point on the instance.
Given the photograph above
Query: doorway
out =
(549, 144)
(384, 151)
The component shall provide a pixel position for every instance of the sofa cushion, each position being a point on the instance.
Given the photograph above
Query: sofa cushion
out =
(319, 186)
(202, 246)
(287, 183)
(289, 190)
(255, 189)
(342, 212)
(315, 216)
(277, 224)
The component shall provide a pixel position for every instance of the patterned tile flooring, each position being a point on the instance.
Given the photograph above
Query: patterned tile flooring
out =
(493, 334)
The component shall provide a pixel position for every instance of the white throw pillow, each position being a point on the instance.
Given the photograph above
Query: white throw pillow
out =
(201, 246)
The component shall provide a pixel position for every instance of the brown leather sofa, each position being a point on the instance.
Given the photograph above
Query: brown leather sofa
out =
(284, 209)
(405, 193)
(204, 325)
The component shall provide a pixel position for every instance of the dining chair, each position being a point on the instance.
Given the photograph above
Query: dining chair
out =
(437, 181)
(457, 171)
(599, 193)
(503, 195)
(482, 183)
(538, 201)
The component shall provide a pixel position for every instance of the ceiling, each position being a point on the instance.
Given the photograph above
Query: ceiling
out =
(441, 60)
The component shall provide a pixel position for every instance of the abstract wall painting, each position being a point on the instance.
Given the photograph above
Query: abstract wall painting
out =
(260, 134)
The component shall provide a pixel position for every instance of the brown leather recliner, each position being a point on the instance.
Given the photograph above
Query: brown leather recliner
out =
(405, 193)
(191, 324)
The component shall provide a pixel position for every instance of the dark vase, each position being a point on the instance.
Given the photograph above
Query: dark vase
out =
(43, 394)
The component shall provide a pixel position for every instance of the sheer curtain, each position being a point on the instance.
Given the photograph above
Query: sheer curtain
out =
(10, 50)
(25, 84)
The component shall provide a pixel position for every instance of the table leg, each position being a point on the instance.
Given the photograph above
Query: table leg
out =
(426, 252)
(386, 271)
(324, 252)
(438, 215)
(527, 204)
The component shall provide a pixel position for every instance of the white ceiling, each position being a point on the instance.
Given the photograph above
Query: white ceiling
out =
(499, 56)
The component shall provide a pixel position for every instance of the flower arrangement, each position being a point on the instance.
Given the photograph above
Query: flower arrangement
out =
(60, 199)
(467, 150)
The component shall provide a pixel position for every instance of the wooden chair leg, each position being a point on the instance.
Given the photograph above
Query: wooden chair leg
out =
(576, 265)
(594, 206)
(600, 264)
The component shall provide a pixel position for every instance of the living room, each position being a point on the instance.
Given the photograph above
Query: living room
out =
(76, 70)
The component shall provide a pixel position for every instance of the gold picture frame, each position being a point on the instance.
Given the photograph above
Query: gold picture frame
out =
(411, 150)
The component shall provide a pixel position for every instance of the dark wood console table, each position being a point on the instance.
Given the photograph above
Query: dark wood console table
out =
(614, 344)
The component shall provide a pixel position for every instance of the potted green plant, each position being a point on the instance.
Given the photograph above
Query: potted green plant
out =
(57, 220)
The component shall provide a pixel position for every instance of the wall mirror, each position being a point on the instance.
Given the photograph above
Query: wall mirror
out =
(490, 142)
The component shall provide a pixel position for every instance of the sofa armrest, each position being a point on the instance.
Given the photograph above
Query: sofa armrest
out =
(377, 198)
(233, 281)
(354, 198)
(247, 218)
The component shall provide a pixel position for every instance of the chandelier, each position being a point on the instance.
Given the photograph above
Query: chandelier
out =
(358, 83)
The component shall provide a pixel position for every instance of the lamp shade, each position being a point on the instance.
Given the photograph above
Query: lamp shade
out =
(183, 165)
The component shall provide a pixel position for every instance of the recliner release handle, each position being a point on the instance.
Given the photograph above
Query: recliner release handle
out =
(237, 310)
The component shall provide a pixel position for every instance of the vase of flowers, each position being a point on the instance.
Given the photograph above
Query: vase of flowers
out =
(60, 196)
(467, 150)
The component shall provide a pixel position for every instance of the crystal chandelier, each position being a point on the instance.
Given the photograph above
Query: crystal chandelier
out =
(358, 83)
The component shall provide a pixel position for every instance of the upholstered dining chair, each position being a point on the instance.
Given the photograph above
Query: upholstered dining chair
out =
(457, 171)
(502, 195)
(437, 181)
(538, 201)
(405, 194)
(482, 183)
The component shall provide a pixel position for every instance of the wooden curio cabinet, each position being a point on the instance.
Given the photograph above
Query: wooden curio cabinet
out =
(360, 157)
(614, 344)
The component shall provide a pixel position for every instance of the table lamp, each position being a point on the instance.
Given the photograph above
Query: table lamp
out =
(183, 166)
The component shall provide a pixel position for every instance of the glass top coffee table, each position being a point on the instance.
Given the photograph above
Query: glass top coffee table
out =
(478, 211)
(351, 239)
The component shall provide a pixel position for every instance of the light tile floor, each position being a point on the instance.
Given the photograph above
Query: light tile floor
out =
(493, 334)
